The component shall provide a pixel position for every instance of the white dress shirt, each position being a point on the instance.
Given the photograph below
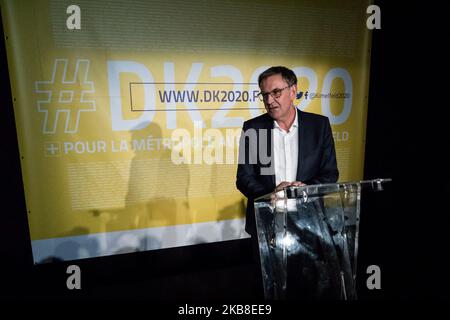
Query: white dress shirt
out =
(285, 147)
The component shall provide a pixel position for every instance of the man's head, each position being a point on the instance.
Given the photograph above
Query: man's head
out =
(278, 89)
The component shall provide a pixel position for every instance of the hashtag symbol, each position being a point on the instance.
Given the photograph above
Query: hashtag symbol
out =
(65, 95)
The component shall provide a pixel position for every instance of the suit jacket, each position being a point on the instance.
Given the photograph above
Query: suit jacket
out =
(256, 175)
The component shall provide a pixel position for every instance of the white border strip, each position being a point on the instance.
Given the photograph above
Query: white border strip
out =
(110, 243)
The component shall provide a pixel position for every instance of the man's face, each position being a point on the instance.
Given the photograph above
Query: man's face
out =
(280, 108)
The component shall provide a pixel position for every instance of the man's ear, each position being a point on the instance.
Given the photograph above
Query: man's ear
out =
(293, 92)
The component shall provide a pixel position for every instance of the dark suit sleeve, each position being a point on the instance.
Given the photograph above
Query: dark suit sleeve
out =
(248, 172)
(328, 171)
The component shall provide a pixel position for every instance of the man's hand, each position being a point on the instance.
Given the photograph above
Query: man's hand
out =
(286, 184)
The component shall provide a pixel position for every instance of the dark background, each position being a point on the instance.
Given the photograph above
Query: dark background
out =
(404, 229)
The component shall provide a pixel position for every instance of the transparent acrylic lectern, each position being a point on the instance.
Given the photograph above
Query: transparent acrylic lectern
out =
(308, 240)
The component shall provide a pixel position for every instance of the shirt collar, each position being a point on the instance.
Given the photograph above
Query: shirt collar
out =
(293, 125)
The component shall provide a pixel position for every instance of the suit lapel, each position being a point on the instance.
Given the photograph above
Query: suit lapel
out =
(301, 136)
(270, 147)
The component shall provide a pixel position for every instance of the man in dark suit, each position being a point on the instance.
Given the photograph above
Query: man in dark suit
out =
(283, 147)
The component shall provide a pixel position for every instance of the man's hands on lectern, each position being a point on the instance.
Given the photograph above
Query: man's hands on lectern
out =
(286, 184)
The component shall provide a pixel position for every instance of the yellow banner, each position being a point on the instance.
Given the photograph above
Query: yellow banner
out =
(102, 88)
